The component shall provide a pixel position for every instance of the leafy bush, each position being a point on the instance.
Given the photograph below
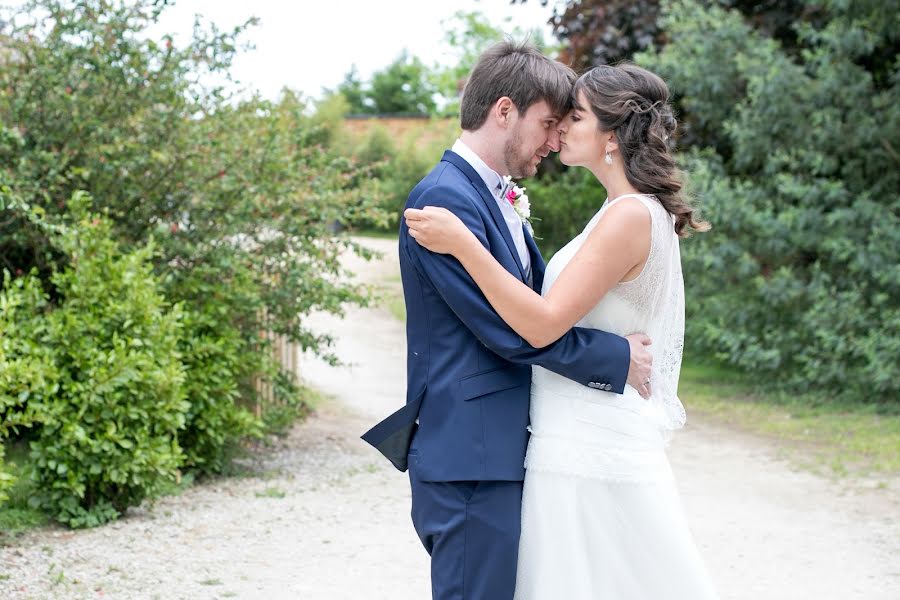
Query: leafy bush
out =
(223, 184)
(28, 376)
(561, 206)
(396, 164)
(799, 280)
(108, 437)
(239, 197)
(212, 355)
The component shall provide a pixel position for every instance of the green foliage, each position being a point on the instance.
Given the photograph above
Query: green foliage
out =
(15, 514)
(291, 401)
(108, 438)
(213, 360)
(599, 32)
(468, 34)
(408, 86)
(828, 435)
(28, 376)
(799, 280)
(214, 226)
(351, 89)
(561, 207)
(403, 87)
(396, 164)
(223, 185)
(326, 122)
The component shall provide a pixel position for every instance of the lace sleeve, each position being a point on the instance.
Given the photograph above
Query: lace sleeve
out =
(665, 289)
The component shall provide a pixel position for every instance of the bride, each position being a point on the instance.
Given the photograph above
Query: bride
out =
(601, 517)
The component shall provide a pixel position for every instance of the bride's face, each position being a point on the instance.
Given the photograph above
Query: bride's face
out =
(581, 142)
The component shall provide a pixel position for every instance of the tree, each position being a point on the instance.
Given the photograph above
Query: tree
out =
(799, 280)
(92, 104)
(403, 87)
(409, 86)
(352, 90)
(596, 32)
(468, 34)
(237, 199)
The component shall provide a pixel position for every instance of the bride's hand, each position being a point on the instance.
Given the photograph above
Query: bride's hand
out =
(438, 230)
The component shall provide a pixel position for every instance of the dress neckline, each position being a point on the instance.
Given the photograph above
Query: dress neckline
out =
(608, 201)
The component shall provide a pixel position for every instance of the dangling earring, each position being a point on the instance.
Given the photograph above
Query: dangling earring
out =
(608, 159)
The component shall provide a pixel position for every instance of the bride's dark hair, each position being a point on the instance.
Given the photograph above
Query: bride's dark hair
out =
(634, 104)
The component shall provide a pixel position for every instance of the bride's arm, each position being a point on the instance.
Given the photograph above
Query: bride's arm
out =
(618, 243)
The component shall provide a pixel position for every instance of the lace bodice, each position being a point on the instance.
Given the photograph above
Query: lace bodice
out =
(634, 305)
(601, 516)
(652, 303)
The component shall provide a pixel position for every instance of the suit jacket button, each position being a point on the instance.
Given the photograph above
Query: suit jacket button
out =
(608, 387)
(593, 384)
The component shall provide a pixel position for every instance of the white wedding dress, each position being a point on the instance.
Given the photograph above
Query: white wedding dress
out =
(601, 517)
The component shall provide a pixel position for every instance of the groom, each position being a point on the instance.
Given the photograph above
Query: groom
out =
(462, 433)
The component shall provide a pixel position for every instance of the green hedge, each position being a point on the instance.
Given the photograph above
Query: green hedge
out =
(213, 223)
(396, 165)
(561, 206)
(799, 280)
(108, 437)
(29, 377)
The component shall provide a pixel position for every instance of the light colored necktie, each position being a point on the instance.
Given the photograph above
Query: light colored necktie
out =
(503, 189)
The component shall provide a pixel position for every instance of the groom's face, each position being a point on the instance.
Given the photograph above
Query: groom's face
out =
(532, 137)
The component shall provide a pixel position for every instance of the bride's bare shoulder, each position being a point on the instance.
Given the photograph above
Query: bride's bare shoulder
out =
(625, 220)
(621, 238)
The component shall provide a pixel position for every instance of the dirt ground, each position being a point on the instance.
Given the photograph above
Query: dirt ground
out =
(323, 516)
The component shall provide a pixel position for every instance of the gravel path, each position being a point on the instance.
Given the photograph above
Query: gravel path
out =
(322, 516)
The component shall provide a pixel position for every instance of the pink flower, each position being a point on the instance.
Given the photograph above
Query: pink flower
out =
(516, 196)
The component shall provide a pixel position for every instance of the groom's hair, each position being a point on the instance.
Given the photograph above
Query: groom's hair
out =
(519, 71)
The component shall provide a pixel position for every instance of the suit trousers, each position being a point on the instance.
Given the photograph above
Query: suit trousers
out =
(471, 531)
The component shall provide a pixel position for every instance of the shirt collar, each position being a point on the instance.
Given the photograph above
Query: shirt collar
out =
(490, 177)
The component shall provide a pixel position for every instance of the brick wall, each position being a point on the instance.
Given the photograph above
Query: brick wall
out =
(423, 130)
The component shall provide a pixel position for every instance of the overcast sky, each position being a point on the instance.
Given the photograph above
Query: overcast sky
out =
(308, 45)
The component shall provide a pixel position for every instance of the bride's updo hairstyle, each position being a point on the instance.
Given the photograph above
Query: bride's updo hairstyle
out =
(634, 104)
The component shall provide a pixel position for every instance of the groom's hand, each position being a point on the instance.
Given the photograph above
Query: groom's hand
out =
(641, 362)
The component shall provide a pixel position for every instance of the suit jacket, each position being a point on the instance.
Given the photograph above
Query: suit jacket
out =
(468, 372)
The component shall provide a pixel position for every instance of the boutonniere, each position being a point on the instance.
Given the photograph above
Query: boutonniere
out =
(516, 196)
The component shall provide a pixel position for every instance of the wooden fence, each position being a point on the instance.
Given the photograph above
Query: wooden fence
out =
(286, 354)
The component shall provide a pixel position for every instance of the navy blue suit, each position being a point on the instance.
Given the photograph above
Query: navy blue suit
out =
(462, 432)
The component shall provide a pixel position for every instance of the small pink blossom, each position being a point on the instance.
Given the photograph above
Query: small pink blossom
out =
(519, 200)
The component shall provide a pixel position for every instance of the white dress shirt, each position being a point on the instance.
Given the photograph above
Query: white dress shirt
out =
(492, 180)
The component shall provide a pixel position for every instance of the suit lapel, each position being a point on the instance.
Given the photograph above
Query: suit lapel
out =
(491, 202)
(537, 262)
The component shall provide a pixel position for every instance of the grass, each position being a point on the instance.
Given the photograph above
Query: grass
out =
(375, 233)
(391, 297)
(828, 436)
(271, 492)
(390, 290)
(16, 516)
(278, 419)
